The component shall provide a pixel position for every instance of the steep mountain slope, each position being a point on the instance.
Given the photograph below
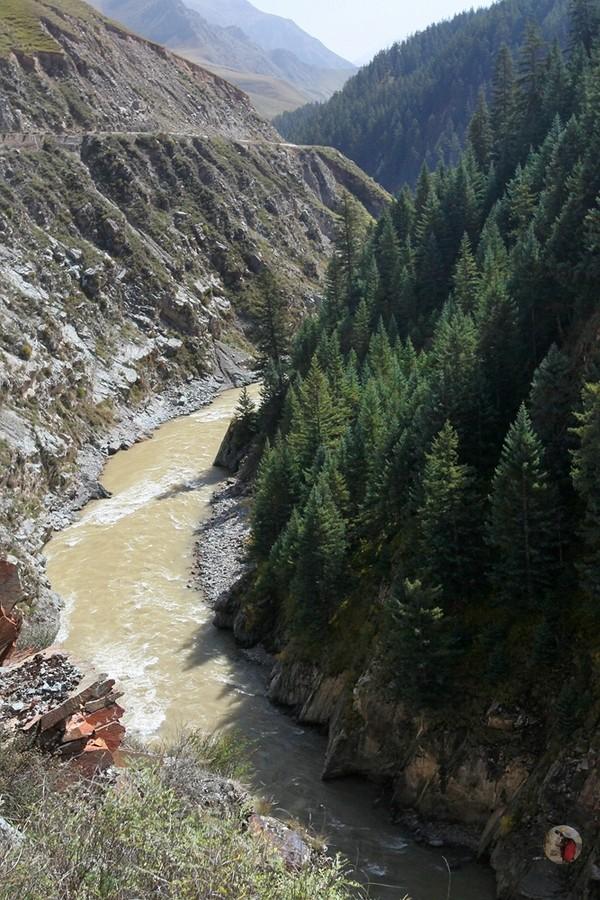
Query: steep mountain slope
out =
(139, 198)
(63, 67)
(284, 80)
(414, 101)
(172, 23)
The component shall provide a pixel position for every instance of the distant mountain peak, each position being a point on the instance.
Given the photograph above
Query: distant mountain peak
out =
(270, 32)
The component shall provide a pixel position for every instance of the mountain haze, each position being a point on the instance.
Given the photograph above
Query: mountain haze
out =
(270, 32)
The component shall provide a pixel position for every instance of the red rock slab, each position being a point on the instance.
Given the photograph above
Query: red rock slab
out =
(74, 704)
(77, 728)
(96, 759)
(105, 716)
(112, 735)
(11, 587)
(80, 726)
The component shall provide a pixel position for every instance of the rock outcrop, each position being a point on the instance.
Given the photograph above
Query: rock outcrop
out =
(74, 717)
(288, 843)
(489, 782)
(77, 71)
(11, 593)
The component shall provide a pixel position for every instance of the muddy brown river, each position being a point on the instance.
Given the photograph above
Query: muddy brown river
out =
(123, 569)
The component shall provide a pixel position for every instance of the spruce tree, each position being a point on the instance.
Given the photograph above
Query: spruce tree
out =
(388, 265)
(284, 554)
(348, 248)
(403, 215)
(498, 340)
(522, 202)
(504, 114)
(322, 546)
(361, 331)
(317, 421)
(406, 311)
(448, 517)
(245, 411)
(556, 89)
(274, 497)
(455, 388)
(585, 24)
(480, 133)
(466, 278)
(532, 71)
(273, 328)
(586, 478)
(551, 402)
(421, 643)
(528, 287)
(522, 529)
(422, 193)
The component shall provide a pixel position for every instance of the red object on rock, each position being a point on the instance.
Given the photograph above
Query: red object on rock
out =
(84, 726)
(568, 850)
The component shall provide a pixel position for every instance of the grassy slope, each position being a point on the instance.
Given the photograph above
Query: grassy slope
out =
(21, 28)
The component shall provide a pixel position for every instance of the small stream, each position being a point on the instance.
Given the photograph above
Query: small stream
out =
(123, 569)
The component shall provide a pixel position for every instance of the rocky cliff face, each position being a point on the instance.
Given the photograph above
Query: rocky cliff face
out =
(128, 256)
(64, 67)
(490, 779)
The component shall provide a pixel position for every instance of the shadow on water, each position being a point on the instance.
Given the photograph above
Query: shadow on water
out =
(353, 814)
(209, 478)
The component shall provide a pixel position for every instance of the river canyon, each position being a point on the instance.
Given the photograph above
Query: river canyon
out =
(124, 568)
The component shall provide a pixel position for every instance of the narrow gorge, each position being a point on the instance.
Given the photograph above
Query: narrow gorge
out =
(299, 480)
(124, 570)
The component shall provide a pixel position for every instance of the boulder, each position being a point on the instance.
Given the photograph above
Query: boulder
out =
(234, 447)
(11, 586)
(10, 837)
(91, 281)
(294, 851)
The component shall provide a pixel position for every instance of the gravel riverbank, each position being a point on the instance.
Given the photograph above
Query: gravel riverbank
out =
(132, 425)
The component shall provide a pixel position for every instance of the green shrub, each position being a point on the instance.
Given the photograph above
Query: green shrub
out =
(146, 836)
(26, 350)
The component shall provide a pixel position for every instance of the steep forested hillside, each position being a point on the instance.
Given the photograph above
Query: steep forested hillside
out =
(427, 510)
(414, 101)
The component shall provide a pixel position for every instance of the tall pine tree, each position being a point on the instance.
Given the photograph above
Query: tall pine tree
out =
(522, 529)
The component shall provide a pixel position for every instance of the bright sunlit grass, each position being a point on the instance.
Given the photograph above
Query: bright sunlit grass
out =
(21, 23)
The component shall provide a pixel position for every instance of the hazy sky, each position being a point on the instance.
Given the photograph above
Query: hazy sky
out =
(357, 28)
